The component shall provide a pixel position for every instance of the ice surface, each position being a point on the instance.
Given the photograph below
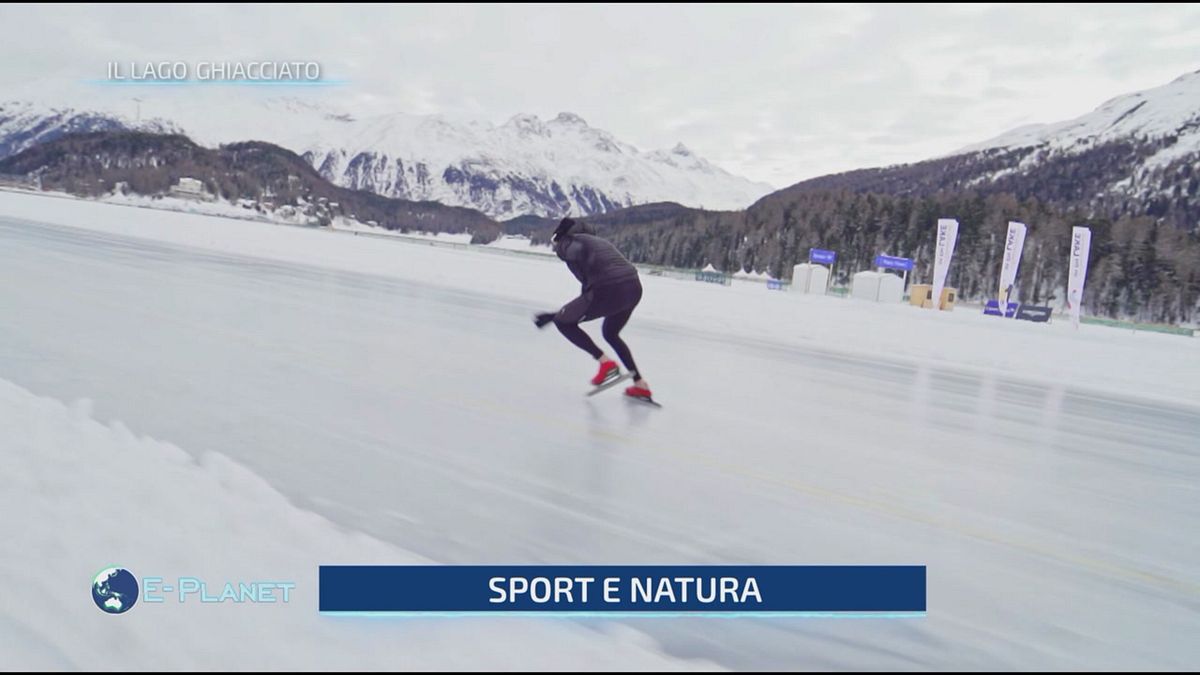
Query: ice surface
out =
(1094, 357)
(1047, 477)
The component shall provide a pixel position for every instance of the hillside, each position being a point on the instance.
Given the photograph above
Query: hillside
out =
(265, 175)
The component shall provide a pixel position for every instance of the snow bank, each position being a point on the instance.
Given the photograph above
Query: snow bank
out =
(516, 242)
(350, 225)
(1097, 357)
(101, 496)
(283, 215)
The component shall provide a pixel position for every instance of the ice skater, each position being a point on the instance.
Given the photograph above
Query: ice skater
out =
(611, 290)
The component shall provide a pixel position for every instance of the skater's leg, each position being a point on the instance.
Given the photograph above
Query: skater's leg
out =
(580, 339)
(567, 321)
(612, 335)
(623, 299)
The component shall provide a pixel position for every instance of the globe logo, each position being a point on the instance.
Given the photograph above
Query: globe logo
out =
(115, 590)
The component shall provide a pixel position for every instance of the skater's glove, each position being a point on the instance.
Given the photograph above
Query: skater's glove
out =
(542, 319)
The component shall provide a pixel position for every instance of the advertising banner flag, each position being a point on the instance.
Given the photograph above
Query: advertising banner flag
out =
(947, 236)
(1081, 245)
(1014, 242)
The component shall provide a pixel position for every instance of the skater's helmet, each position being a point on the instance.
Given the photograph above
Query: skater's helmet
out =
(569, 226)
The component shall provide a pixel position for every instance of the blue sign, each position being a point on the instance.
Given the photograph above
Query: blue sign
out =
(992, 308)
(821, 256)
(774, 285)
(891, 262)
(572, 589)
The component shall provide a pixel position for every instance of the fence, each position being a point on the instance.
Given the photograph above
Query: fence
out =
(710, 277)
(1133, 325)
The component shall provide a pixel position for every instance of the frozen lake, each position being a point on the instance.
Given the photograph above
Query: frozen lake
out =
(1058, 523)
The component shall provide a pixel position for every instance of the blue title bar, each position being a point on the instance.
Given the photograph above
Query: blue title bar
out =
(821, 256)
(623, 589)
(891, 262)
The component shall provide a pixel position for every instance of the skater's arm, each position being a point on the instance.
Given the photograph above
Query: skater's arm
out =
(577, 270)
(570, 250)
(573, 252)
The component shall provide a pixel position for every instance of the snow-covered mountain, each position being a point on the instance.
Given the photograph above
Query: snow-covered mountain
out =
(1169, 111)
(560, 166)
(525, 166)
(1135, 155)
(24, 124)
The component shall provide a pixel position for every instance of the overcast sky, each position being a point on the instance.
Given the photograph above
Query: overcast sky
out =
(774, 93)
